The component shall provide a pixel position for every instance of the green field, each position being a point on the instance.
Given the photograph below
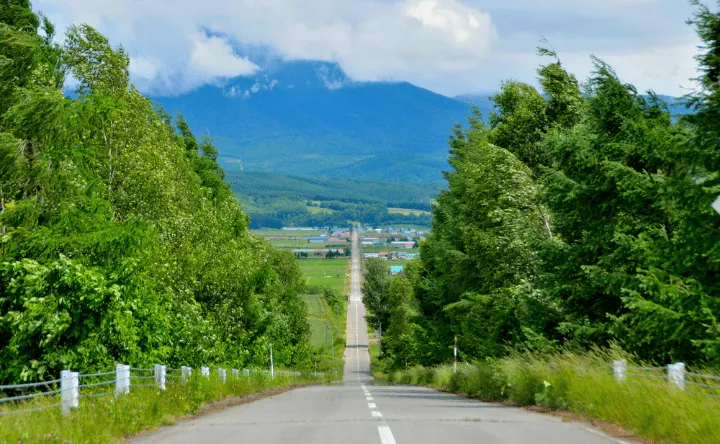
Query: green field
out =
(317, 210)
(272, 232)
(408, 212)
(320, 319)
(396, 263)
(326, 272)
(294, 243)
(330, 273)
(381, 248)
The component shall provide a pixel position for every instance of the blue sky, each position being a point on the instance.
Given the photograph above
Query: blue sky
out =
(448, 46)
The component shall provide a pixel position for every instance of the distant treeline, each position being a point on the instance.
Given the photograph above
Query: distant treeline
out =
(277, 200)
(277, 214)
(255, 183)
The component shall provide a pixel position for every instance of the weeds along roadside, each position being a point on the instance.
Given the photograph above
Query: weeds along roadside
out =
(108, 419)
(581, 383)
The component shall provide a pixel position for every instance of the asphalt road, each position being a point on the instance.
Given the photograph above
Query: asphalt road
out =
(359, 412)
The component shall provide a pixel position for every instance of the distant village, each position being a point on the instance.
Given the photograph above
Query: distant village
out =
(387, 243)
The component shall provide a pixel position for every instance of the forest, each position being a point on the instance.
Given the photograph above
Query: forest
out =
(120, 240)
(278, 200)
(578, 217)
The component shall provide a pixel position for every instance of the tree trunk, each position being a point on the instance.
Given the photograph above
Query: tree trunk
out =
(545, 220)
(2, 227)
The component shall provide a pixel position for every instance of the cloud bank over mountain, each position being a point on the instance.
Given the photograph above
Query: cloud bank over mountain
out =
(448, 46)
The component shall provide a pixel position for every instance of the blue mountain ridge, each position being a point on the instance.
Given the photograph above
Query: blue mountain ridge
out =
(309, 118)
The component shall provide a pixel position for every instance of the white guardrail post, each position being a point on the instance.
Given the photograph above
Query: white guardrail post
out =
(676, 374)
(222, 374)
(620, 369)
(246, 372)
(235, 373)
(205, 371)
(185, 373)
(69, 394)
(122, 379)
(160, 375)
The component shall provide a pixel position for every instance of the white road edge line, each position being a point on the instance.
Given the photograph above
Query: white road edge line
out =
(386, 436)
(608, 437)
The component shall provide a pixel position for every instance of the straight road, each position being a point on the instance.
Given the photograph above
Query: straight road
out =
(359, 412)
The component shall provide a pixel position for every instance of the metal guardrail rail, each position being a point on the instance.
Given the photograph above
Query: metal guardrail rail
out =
(67, 390)
(703, 384)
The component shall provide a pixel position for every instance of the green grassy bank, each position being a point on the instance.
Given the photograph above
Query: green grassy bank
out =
(584, 384)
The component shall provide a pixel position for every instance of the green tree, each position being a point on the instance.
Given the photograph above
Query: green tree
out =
(375, 289)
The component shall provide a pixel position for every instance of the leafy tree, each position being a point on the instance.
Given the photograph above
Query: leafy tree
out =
(117, 245)
(375, 289)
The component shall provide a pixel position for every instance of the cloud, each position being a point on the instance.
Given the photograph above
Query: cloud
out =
(145, 68)
(370, 39)
(449, 46)
(213, 57)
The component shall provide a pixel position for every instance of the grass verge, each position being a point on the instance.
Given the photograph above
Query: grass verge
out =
(582, 384)
(109, 419)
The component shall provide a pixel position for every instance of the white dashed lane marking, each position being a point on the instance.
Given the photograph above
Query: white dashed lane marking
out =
(386, 436)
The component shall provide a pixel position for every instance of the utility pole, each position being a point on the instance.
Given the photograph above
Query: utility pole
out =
(272, 366)
(455, 356)
(380, 340)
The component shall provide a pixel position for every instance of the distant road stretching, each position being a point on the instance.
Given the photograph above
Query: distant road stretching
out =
(358, 412)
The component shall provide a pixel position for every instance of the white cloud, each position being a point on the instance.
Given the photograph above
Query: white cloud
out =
(371, 39)
(449, 46)
(214, 57)
(144, 68)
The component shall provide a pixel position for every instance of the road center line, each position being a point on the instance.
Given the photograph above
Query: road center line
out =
(386, 436)
(376, 414)
(372, 405)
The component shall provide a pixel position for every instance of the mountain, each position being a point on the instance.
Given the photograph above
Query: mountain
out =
(309, 118)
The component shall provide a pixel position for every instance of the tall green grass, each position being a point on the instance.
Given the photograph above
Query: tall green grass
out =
(108, 419)
(584, 384)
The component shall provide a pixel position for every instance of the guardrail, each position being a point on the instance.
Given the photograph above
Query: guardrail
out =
(697, 383)
(69, 387)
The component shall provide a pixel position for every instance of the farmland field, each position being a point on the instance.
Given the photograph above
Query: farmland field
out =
(407, 212)
(326, 272)
(330, 273)
(274, 232)
(381, 248)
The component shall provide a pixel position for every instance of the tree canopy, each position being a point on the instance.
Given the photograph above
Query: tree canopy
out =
(580, 217)
(120, 240)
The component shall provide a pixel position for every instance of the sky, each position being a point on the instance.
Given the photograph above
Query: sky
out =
(448, 46)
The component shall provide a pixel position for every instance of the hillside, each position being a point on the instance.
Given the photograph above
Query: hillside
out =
(255, 183)
(308, 118)
(275, 200)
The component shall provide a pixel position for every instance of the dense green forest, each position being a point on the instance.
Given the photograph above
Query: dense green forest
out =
(579, 216)
(277, 200)
(120, 240)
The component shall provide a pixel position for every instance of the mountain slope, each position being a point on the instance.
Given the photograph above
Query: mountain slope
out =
(308, 118)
